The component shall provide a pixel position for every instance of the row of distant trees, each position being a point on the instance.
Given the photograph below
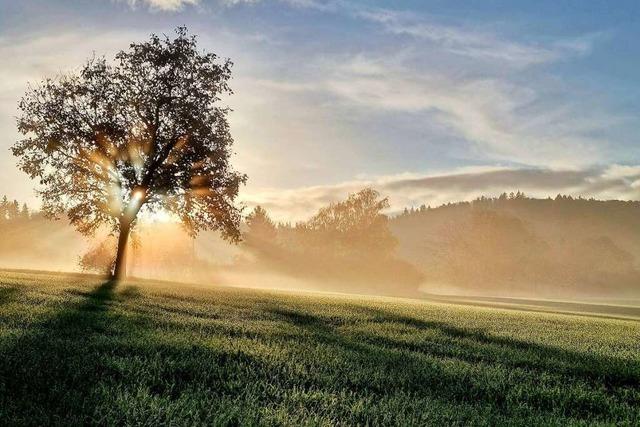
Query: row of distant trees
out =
(510, 242)
(351, 228)
(511, 197)
(11, 210)
(347, 242)
(515, 242)
(346, 245)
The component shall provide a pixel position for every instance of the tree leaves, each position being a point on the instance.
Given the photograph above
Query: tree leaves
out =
(149, 120)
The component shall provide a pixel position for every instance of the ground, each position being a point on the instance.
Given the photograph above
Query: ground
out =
(77, 350)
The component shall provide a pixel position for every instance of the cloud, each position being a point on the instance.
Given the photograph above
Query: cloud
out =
(483, 101)
(326, 6)
(406, 190)
(37, 57)
(483, 46)
(502, 120)
(478, 45)
(32, 59)
(231, 3)
(163, 5)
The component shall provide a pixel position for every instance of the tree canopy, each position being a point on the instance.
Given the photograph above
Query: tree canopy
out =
(356, 224)
(261, 227)
(145, 131)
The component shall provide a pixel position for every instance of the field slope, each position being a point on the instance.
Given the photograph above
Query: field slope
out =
(75, 350)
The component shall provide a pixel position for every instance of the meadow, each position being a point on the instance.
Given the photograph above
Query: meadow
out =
(76, 349)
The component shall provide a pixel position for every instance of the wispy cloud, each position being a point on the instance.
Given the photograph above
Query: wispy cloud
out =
(32, 59)
(37, 57)
(406, 190)
(162, 5)
(485, 102)
(462, 40)
(502, 120)
(475, 44)
(329, 5)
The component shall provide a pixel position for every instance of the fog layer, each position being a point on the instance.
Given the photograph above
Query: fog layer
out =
(511, 246)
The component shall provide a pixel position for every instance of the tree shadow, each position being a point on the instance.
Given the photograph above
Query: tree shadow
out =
(424, 366)
(44, 370)
(7, 294)
(90, 363)
(546, 358)
(97, 362)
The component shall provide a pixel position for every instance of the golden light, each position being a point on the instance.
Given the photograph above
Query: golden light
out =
(138, 195)
(160, 216)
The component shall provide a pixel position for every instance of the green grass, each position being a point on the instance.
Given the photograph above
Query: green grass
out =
(74, 350)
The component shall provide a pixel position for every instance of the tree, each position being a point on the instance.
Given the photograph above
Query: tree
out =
(144, 132)
(261, 228)
(98, 258)
(13, 210)
(355, 225)
(4, 208)
(24, 213)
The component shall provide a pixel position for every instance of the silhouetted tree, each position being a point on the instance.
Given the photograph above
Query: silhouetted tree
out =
(13, 210)
(260, 227)
(4, 208)
(145, 131)
(24, 213)
(99, 258)
(354, 225)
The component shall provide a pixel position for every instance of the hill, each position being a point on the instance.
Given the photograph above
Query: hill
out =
(508, 246)
(515, 245)
(75, 350)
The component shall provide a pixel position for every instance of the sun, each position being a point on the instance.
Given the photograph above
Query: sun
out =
(161, 216)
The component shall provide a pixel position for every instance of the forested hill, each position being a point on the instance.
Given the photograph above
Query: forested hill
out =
(509, 246)
(524, 245)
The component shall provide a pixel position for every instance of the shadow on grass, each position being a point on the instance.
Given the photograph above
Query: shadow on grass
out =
(8, 293)
(424, 366)
(478, 346)
(47, 367)
(89, 363)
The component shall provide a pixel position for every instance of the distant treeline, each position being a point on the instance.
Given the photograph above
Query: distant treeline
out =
(507, 245)
(29, 240)
(517, 244)
(347, 245)
(12, 211)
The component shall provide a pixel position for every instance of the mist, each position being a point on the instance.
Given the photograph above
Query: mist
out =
(512, 246)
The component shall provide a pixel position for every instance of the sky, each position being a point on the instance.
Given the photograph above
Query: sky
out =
(427, 101)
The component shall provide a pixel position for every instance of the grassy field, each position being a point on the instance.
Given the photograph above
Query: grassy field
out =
(75, 350)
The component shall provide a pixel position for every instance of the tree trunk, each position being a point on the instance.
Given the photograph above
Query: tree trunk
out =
(120, 269)
(138, 197)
